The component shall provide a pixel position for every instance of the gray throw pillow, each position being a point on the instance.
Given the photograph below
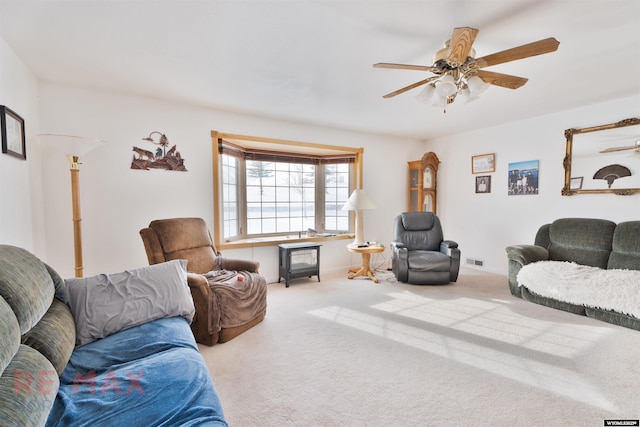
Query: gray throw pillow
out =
(108, 303)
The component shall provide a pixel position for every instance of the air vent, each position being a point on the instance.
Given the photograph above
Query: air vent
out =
(476, 262)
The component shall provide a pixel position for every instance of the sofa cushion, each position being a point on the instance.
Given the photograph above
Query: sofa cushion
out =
(626, 246)
(58, 283)
(429, 261)
(28, 385)
(9, 334)
(585, 241)
(19, 268)
(54, 336)
(108, 303)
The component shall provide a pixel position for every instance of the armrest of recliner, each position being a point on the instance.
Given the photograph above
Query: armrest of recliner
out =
(204, 320)
(199, 287)
(239, 265)
(399, 260)
(447, 245)
(397, 244)
(450, 248)
(526, 254)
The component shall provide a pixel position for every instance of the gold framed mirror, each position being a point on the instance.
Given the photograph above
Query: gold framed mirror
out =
(603, 159)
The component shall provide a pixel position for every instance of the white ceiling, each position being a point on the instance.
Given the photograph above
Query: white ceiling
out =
(311, 61)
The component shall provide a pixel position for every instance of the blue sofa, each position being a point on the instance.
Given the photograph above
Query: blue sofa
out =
(73, 352)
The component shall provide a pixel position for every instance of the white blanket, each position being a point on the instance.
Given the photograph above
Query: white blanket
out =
(617, 290)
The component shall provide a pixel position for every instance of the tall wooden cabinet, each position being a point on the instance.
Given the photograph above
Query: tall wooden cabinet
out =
(423, 176)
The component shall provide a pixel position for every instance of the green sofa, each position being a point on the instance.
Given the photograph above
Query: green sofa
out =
(586, 241)
(142, 367)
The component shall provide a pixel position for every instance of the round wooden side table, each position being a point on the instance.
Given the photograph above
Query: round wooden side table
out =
(366, 252)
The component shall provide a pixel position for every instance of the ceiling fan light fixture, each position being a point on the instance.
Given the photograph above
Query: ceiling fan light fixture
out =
(476, 86)
(456, 68)
(426, 94)
(440, 101)
(446, 86)
(465, 95)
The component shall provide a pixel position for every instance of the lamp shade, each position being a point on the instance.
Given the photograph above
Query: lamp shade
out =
(476, 86)
(446, 86)
(359, 200)
(70, 145)
(426, 94)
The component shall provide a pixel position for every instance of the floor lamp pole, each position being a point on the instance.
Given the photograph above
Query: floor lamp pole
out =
(74, 161)
(74, 147)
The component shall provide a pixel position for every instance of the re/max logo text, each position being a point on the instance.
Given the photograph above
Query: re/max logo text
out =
(44, 381)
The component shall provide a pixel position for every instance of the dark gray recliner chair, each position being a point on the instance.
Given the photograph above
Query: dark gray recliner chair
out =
(419, 253)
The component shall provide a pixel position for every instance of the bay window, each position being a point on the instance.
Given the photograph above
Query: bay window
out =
(267, 188)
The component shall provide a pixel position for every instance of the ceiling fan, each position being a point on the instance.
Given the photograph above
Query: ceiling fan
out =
(636, 147)
(458, 72)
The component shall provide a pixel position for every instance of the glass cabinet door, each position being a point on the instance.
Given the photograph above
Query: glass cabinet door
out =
(413, 200)
(423, 183)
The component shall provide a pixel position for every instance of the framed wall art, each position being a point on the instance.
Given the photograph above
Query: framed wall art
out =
(483, 184)
(12, 129)
(483, 163)
(576, 183)
(523, 177)
(606, 156)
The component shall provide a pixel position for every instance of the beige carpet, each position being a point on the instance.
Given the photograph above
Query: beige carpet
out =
(353, 353)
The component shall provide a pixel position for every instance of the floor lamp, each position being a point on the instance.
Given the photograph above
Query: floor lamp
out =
(358, 201)
(74, 147)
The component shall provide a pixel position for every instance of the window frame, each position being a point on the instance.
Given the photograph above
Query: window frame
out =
(273, 145)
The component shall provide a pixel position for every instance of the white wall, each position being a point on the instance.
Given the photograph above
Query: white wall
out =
(20, 184)
(117, 201)
(35, 199)
(484, 224)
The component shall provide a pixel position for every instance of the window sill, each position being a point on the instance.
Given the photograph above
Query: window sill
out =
(276, 240)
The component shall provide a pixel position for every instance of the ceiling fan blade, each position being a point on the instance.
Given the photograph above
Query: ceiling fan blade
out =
(461, 41)
(415, 85)
(525, 51)
(405, 66)
(503, 80)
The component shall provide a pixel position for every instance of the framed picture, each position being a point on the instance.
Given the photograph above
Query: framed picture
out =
(523, 178)
(576, 183)
(12, 129)
(483, 184)
(483, 163)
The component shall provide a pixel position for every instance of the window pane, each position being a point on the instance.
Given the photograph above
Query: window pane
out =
(254, 226)
(282, 195)
(229, 196)
(336, 195)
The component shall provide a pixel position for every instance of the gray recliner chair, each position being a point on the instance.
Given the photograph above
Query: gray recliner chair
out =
(419, 253)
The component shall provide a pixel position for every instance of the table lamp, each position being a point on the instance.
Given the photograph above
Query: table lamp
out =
(358, 201)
